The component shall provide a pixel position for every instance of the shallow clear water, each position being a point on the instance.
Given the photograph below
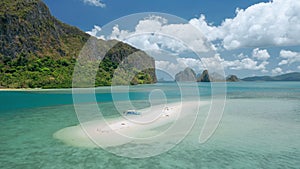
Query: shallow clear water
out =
(260, 128)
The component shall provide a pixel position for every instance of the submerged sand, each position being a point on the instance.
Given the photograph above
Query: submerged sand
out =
(152, 122)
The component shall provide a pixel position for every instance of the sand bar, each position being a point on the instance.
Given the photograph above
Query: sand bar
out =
(131, 128)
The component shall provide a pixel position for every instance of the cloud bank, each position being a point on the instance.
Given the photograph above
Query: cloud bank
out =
(215, 63)
(154, 33)
(275, 23)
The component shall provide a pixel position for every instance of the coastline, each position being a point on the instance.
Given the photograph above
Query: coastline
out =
(21, 89)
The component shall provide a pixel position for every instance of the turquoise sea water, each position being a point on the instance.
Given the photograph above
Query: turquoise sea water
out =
(260, 128)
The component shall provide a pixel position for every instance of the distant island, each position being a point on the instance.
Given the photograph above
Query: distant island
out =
(295, 76)
(189, 75)
(39, 51)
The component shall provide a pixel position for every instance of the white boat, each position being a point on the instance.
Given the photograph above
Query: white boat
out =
(131, 112)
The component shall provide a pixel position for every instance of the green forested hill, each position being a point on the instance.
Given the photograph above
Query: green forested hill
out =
(38, 51)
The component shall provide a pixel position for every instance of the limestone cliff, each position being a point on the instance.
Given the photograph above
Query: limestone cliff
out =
(187, 74)
(37, 50)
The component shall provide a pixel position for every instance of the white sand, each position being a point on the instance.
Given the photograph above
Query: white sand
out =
(130, 128)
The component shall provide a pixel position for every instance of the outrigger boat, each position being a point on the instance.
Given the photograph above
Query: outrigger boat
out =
(131, 112)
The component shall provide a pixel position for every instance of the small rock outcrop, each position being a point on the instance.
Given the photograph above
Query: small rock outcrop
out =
(204, 77)
(232, 78)
(188, 75)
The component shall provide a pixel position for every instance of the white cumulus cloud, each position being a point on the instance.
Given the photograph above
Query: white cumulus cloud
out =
(154, 32)
(211, 32)
(277, 71)
(94, 32)
(260, 54)
(246, 63)
(274, 23)
(289, 57)
(213, 64)
(180, 64)
(97, 3)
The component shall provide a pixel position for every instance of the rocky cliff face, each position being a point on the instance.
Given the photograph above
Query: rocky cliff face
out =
(27, 27)
(37, 50)
(187, 75)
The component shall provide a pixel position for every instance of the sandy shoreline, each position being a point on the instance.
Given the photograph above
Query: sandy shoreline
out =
(21, 89)
(45, 90)
(131, 128)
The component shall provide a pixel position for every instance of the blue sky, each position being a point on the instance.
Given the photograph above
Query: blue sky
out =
(85, 16)
(256, 40)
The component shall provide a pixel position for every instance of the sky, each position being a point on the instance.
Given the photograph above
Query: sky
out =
(247, 37)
